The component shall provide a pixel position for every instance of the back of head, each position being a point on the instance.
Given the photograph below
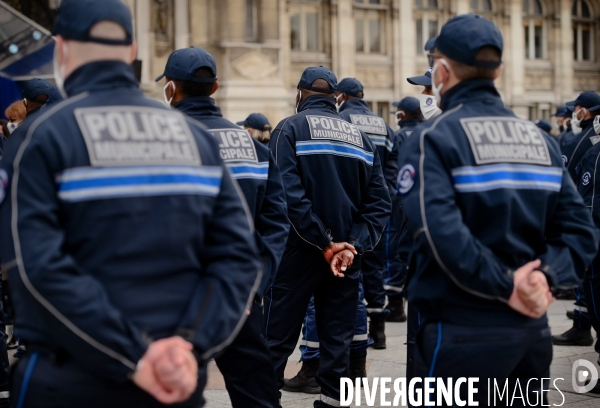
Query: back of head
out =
(15, 112)
(351, 87)
(192, 89)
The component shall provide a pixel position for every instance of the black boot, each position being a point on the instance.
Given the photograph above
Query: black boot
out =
(574, 337)
(571, 314)
(377, 331)
(396, 308)
(358, 365)
(305, 380)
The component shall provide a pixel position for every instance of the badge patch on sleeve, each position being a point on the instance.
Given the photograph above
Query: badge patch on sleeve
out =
(502, 140)
(324, 127)
(235, 145)
(406, 178)
(585, 179)
(135, 135)
(373, 125)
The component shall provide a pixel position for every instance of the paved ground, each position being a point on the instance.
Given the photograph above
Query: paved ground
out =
(392, 363)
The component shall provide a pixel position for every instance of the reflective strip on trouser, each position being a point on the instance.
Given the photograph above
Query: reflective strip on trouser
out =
(4, 395)
(581, 320)
(330, 401)
(580, 308)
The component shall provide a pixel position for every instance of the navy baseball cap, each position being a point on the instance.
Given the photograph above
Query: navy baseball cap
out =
(255, 121)
(588, 99)
(36, 87)
(462, 36)
(55, 95)
(350, 86)
(77, 17)
(182, 65)
(311, 74)
(430, 44)
(561, 111)
(408, 105)
(422, 80)
(544, 125)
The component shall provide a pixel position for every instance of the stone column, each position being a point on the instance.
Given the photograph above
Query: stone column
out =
(407, 48)
(143, 36)
(463, 6)
(182, 24)
(564, 64)
(344, 47)
(516, 75)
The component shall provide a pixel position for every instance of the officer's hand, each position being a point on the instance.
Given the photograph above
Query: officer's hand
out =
(168, 371)
(335, 247)
(341, 261)
(529, 296)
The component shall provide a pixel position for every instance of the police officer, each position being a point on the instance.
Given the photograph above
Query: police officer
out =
(124, 232)
(258, 126)
(375, 264)
(544, 125)
(588, 176)
(36, 93)
(337, 201)
(428, 103)
(585, 108)
(563, 120)
(409, 116)
(488, 247)
(191, 78)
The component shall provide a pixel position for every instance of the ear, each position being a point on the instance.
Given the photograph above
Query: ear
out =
(215, 87)
(133, 52)
(499, 72)
(58, 49)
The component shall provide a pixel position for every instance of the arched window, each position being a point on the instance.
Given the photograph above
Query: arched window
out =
(428, 22)
(583, 31)
(535, 29)
(481, 6)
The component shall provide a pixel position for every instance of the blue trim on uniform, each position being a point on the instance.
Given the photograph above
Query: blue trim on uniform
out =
(249, 170)
(418, 318)
(382, 141)
(437, 350)
(516, 176)
(27, 379)
(333, 148)
(83, 184)
(387, 249)
(269, 316)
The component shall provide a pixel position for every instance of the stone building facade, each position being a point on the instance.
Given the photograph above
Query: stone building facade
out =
(552, 47)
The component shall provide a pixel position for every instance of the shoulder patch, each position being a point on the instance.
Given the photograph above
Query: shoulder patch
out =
(235, 145)
(406, 178)
(3, 184)
(136, 135)
(585, 179)
(564, 159)
(373, 125)
(325, 127)
(506, 140)
(594, 139)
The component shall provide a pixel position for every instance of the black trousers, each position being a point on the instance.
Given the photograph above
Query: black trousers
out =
(247, 366)
(582, 318)
(65, 385)
(502, 353)
(302, 273)
(591, 286)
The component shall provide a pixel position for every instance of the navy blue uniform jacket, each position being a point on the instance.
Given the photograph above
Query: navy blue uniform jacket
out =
(574, 147)
(486, 192)
(382, 136)
(332, 177)
(121, 224)
(252, 165)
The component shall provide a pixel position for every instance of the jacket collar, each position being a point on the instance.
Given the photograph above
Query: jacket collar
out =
(470, 90)
(409, 123)
(101, 75)
(354, 104)
(317, 102)
(199, 106)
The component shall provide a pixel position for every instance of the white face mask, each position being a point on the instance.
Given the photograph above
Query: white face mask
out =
(338, 105)
(167, 100)
(575, 121)
(437, 88)
(429, 107)
(12, 126)
(59, 71)
(597, 125)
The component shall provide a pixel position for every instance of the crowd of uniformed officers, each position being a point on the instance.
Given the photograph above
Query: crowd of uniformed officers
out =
(140, 241)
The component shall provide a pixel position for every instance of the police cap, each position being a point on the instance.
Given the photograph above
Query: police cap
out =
(430, 44)
(311, 74)
(464, 35)
(182, 65)
(36, 87)
(77, 17)
(408, 105)
(544, 125)
(255, 121)
(561, 112)
(350, 86)
(422, 80)
(588, 99)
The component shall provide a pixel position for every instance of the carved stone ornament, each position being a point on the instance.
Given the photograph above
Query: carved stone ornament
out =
(254, 65)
